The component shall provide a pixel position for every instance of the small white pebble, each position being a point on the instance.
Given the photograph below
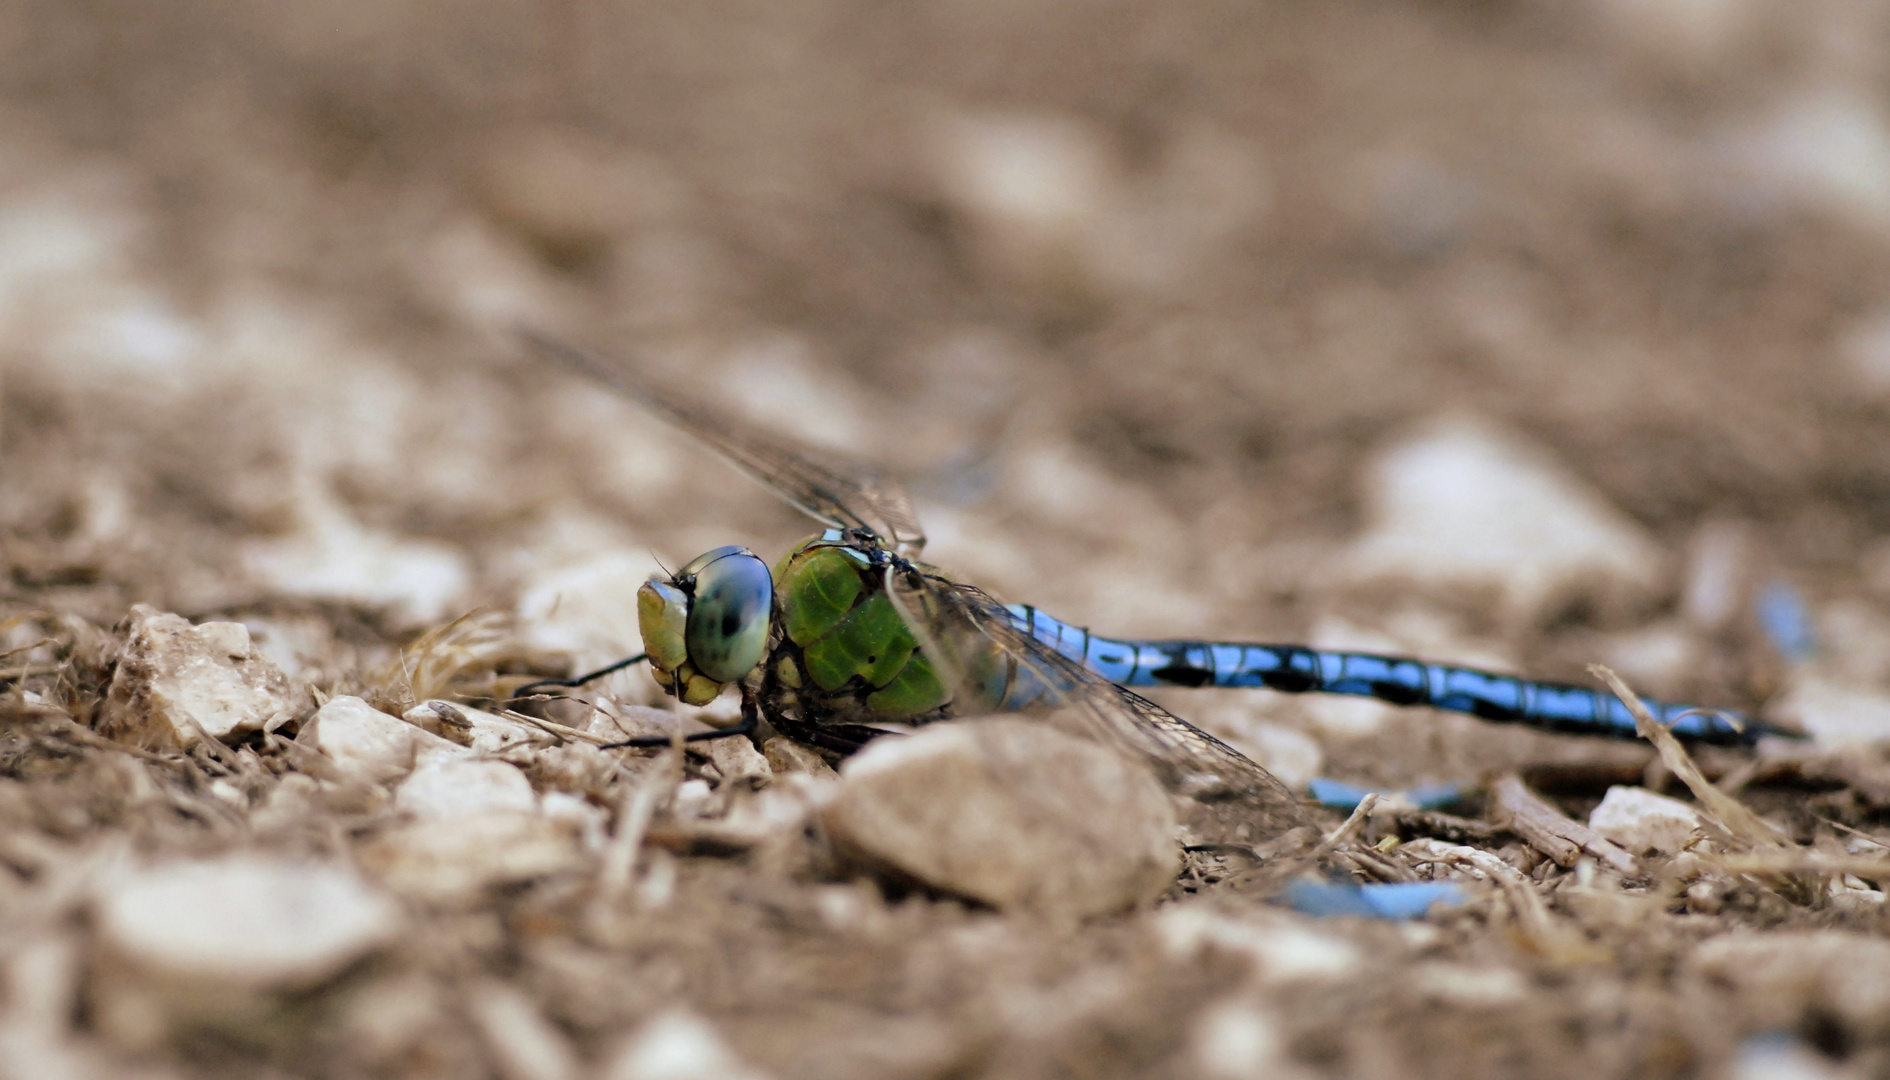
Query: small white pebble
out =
(679, 1045)
(1236, 1041)
(245, 920)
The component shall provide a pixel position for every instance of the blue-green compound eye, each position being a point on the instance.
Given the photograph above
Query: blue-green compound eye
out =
(729, 614)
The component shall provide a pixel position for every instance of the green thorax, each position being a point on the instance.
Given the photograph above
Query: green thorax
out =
(843, 640)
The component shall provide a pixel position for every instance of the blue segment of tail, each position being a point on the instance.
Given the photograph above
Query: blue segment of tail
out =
(1297, 669)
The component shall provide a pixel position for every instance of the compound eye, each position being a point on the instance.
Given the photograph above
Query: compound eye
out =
(728, 619)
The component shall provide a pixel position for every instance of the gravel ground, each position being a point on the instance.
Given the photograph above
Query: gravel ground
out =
(1524, 334)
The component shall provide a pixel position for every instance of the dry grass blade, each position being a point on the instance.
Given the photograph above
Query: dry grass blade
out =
(1800, 861)
(448, 657)
(1729, 813)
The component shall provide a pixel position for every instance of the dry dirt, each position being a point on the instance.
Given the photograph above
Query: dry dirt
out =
(1133, 295)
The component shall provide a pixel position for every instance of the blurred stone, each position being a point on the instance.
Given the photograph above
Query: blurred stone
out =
(449, 788)
(1416, 204)
(1788, 976)
(1031, 187)
(454, 860)
(401, 1016)
(1281, 948)
(333, 557)
(784, 755)
(1208, 186)
(572, 197)
(588, 610)
(678, 1045)
(1689, 36)
(367, 744)
(174, 678)
(1825, 148)
(1293, 757)
(1719, 574)
(1463, 505)
(691, 798)
(244, 920)
(1641, 821)
(1778, 1056)
(524, 1044)
(1009, 812)
(1864, 349)
(294, 800)
(1240, 1041)
(737, 760)
(1654, 657)
(1834, 713)
(1464, 986)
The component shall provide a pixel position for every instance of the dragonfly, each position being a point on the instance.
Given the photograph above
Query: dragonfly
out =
(849, 636)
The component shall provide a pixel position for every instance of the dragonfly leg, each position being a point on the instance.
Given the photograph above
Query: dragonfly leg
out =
(751, 719)
(581, 679)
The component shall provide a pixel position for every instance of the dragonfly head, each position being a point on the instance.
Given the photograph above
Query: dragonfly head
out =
(707, 625)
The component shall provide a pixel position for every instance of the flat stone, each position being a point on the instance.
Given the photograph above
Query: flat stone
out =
(784, 755)
(1011, 813)
(1641, 821)
(1282, 949)
(1835, 712)
(369, 745)
(448, 788)
(175, 679)
(454, 860)
(737, 760)
(1791, 974)
(1465, 505)
(333, 557)
(246, 920)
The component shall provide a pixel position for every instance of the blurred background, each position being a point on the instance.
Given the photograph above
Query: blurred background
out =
(1160, 308)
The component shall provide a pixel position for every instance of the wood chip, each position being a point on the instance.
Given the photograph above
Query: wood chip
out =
(1552, 832)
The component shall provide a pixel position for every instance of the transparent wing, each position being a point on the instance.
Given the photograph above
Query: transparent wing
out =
(994, 666)
(839, 492)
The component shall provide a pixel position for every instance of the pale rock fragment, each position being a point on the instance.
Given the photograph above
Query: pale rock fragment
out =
(245, 920)
(1466, 986)
(1009, 812)
(737, 760)
(1641, 821)
(678, 1045)
(454, 860)
(1293, 757)
(333, 557)
(1790, 975)
(295, 799)
(784, 755)
(449, 788)
(526, 1046)
(174, 679)
(1239, 1041)
(1464, 505)
(369, 745)
(1032, 187)
(1834, 713)
(1281, 948)
(691, 798)
(589, 610)
(1823, 148)
(589, 821)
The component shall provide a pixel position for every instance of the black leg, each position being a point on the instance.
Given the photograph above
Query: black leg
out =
(581, 679)
(751, 719)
